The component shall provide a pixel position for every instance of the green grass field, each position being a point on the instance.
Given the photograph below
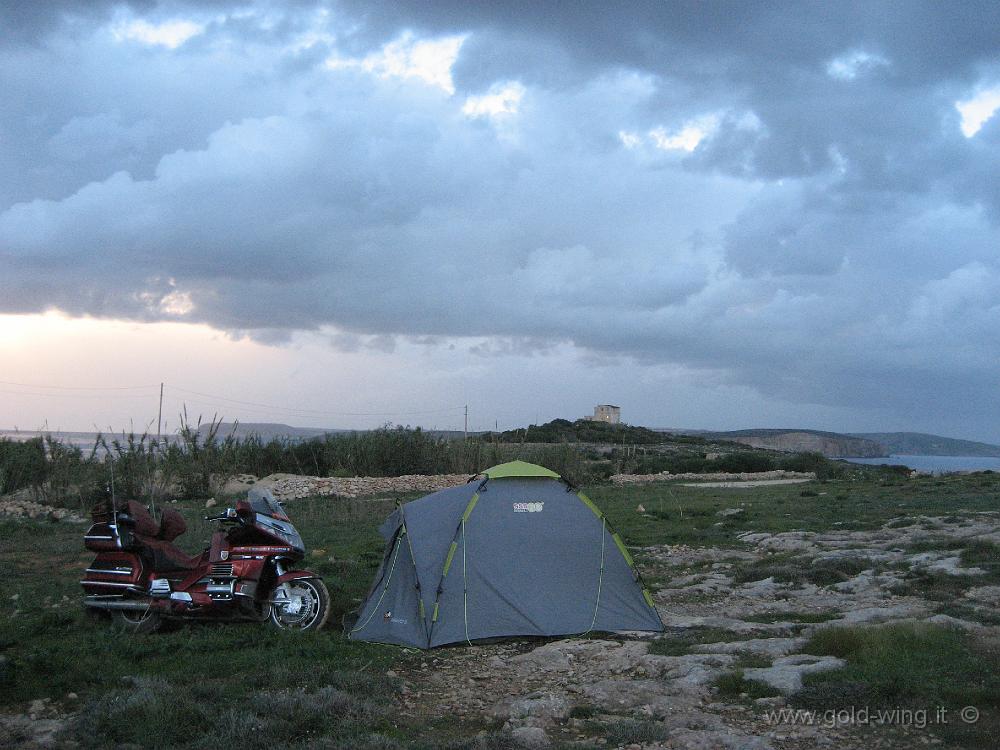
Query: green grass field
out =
(207, 685)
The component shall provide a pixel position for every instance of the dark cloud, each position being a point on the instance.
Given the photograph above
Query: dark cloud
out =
(778, 194)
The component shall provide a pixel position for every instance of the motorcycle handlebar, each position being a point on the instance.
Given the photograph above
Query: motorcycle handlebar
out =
(229, 515)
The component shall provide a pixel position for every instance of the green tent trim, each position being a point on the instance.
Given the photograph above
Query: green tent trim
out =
(519, 469)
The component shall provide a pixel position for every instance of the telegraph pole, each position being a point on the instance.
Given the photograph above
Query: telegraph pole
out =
(159, 417)
(466, 422)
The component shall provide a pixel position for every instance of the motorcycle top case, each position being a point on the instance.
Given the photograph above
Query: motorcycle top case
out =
(105, 535)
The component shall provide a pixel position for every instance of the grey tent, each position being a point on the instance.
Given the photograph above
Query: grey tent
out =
(517, 551)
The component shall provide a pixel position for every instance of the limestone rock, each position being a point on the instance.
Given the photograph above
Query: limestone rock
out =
(773, 647)
(294, 487)
(544, 708)
(786, 672)
(702, 739)
(531, 737)
(730, 512)
(989, 595)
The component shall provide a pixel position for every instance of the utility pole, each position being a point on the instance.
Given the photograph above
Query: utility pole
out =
(159, 417)
(466, 422)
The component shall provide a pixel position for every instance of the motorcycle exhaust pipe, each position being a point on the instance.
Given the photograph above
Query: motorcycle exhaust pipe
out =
(106, 604)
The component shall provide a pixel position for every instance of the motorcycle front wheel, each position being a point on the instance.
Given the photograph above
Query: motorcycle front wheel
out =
(307, 606)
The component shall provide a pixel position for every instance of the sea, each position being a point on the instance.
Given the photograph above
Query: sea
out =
(79, 439)
(936, 464)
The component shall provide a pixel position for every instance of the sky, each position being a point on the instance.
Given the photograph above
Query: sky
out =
(346, 214)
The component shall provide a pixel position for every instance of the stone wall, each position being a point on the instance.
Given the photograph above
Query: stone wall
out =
(17, 506)
(745, 476)
(293, 486)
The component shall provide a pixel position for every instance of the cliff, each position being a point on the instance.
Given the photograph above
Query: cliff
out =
(921, 444)
(830, 444)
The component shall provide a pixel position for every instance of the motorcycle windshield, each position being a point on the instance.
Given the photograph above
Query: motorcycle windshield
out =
(283, 530)
(264, 502)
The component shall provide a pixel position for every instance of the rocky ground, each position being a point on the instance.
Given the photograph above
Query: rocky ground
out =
(748, 610)
(724, 610)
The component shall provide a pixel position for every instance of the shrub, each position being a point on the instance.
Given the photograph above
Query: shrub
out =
(22, 464)
(631, 732)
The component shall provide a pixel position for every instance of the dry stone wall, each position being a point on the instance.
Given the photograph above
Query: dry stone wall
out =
(292, 486)
(745, 476)
(18, 506)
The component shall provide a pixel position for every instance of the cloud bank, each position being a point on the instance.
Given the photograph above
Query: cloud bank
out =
(798, 198)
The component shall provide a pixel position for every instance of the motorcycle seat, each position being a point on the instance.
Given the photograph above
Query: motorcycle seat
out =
(172, 525)
(157, 539)
(166, 557)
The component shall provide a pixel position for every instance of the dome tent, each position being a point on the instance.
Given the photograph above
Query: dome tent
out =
(516, 551)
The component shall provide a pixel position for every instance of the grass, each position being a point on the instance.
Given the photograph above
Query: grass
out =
(803, 617)
(790, 567)
(948, 589)
(50, 648)
(687, 515)
(934, 544)
(188, 716)
(918, 666)
(735, 685)
(582, 711)
(204, 685)
(682, 643)
(981, 554)
(630, 732)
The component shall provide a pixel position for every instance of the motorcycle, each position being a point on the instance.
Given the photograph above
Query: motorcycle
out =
(144, 581)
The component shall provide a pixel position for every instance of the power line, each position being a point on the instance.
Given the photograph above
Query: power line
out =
(75, 395)
(80, 387)
(318, 412)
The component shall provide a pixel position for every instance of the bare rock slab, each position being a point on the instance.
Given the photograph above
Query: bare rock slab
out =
(530, 737)
(703, 739)
(786, 673)
(773, 647)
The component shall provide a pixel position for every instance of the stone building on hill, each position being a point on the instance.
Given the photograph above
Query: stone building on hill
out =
(607, 413)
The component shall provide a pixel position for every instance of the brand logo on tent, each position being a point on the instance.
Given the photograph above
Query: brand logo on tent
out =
(394, 620)
(528, 507)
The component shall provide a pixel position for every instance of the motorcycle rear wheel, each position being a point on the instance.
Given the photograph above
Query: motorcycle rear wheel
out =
(314, 606)
(137, 620)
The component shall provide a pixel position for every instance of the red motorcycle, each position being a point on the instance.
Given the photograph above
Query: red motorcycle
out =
(142, 579)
